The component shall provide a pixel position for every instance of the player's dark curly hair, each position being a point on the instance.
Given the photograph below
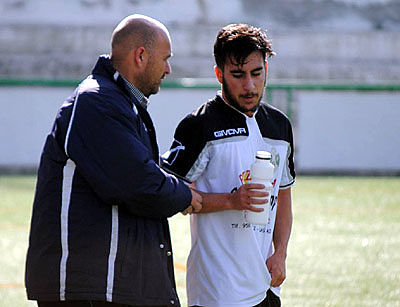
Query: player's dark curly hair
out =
(238, 41)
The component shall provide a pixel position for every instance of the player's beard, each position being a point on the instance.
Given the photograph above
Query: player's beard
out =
(234, 103)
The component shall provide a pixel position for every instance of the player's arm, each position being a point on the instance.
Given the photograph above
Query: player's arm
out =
(242, 199)
(283, 225)
(188, 150)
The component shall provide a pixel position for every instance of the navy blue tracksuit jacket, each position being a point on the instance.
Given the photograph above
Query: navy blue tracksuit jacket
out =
(99, 228)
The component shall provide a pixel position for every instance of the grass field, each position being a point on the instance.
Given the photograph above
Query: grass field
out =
(344, 249)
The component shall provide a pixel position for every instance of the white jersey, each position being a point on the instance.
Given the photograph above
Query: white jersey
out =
(227, 261)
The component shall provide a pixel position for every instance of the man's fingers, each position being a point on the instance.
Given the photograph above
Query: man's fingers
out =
(248, 196)
(196, 204)
(196, 207)
(277, 279)
(274, 282)
(278, 274)
(255, 209)
(257, 193)
(258, 201)
(188, 210)
(252, 186)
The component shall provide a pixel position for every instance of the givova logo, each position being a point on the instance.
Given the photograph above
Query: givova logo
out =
(228, 132)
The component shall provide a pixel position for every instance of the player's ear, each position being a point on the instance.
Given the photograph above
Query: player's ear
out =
(266, 67)
(218, 73)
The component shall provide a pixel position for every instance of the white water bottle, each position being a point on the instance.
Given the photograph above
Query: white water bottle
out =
(262, 172)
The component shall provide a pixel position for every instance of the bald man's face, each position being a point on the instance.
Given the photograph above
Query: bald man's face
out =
(157, 67)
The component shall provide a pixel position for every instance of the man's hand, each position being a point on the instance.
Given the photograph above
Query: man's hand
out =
(196, 204)
(277, 268)
(243, 198)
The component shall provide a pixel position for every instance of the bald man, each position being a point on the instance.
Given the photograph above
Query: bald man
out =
(99, 231)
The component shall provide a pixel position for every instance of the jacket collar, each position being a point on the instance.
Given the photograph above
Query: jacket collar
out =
(105, 68)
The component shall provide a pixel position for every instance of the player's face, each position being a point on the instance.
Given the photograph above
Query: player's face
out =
(243, 85)
(158, 66)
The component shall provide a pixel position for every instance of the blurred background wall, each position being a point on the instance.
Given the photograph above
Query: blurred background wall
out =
(352, 130)
(315, 39)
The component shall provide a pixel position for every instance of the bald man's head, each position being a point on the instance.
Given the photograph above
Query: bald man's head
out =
(141, 48)
(135, 31)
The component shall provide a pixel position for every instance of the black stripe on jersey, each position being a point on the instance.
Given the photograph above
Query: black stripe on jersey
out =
(275, 125)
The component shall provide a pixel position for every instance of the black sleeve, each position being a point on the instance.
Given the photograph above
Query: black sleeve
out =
(187, 145)
(290, 172)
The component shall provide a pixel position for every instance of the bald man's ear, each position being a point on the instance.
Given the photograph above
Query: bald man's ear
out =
(218, 73)
(140, 57)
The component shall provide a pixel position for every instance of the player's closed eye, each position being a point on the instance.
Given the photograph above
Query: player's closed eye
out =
(237, 76)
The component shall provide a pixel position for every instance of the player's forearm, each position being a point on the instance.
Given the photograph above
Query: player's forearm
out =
(244, 198)
(213, 202)
(283, 222)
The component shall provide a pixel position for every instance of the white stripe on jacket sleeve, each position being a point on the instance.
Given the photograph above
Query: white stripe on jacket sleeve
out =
(113, 253)
(68, 175)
